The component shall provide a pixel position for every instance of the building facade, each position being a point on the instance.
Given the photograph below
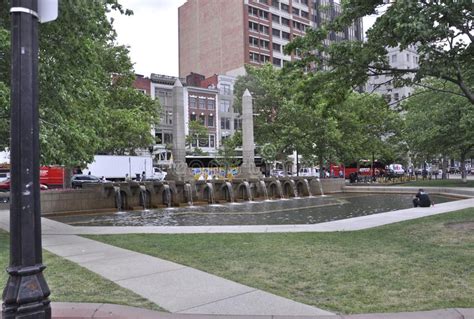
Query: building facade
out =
(201, 104)
(383, 84)
(220, 37)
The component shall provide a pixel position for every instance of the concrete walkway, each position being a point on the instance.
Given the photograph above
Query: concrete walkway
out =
(65, 310)
(184, 290)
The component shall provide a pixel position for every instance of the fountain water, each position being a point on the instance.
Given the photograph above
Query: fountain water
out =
(211, 198)
(305, 181)
(231, 191)
(263, 187)
(293, 186)
(320, 186)
(279, 188)
(118, 198)
(188, 193)
(248, 190)
(144, 197)
(167, 200)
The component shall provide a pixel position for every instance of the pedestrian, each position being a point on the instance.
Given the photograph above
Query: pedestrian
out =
(127, 178)
(143, 176)
(422, 199)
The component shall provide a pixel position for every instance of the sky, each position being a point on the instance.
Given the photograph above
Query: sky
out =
(152, 34)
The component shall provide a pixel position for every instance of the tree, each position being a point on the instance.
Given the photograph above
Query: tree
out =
(198, 135)
(87, 102)
(227, 152)
(440, 124)
(441, 30)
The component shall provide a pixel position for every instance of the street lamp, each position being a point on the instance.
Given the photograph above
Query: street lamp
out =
(26, 293)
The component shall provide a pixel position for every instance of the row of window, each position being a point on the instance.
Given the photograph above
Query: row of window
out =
(203, 119)
(201, 103)
(259, 28)
(394, 58)
(259, 43)
(262, 14)
(258, 58)
(281, 34)
(208, 141)
(225, 123)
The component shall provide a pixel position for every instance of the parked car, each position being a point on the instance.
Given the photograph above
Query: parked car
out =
(79, 180)
(454, 170)
(5, 186)
(280, 173)
(395, 170)
(309, 171)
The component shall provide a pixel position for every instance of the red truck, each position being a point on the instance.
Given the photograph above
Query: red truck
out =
(50, 177)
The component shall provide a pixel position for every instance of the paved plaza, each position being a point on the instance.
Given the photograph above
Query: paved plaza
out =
(186, 291)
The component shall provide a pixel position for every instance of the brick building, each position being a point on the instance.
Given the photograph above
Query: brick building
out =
(220, 37)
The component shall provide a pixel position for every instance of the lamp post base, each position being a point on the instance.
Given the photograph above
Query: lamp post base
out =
(26, 294)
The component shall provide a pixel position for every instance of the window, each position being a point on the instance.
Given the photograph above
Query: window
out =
(211, 104)
(254, 57)
(237, 124)
(225, 89)
(225, 123)
(192, 102)
(408, 57)
(304, 14)
(224, 106)
(296, 11)
(212, 140)
(253, 26)
(169, 118)
(158, 137)
(192, 117)
(285, 7)
(253, 42)
(305, 2)
(264, 44)
(276, 62)
(210, 120)
(263, 1)
(204, 142)
(202, 104)
(202, 119)
(275, 18)
(285, 21)
(263, 29)
(276, 32)
(394, 58)
(396, 96)
(276, 4)
(285, 35)
(276, 47)
(264, 58)
(168, 138)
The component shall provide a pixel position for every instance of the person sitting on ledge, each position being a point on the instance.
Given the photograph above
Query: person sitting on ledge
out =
(422, 199)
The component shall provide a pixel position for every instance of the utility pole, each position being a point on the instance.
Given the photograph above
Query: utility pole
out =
(26, 293)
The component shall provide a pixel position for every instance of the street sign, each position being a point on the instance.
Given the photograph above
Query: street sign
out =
(47, 10)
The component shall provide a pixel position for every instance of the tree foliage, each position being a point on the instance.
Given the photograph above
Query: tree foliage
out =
(442, 31)
(439, 125)
(197, 135)
(87, 102)
(316, 115)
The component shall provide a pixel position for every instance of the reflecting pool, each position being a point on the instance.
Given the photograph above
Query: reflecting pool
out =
(306, 210)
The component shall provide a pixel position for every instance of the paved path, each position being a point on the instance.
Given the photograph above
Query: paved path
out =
(66, 310)
(185, 290)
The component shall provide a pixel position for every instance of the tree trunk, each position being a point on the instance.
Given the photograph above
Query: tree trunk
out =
(463, 167)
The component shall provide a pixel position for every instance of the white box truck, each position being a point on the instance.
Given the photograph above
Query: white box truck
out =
(117, 167)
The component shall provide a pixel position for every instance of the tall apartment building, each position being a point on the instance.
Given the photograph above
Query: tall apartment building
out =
(405, 59)
(220, 37)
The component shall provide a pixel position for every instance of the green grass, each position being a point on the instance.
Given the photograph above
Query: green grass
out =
(409, 266)
(440, 183)
(69, 282)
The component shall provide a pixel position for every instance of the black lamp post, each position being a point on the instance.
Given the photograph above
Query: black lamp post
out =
(26, 293)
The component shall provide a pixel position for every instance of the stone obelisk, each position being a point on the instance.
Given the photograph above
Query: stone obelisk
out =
(179, 169)
(248, 170)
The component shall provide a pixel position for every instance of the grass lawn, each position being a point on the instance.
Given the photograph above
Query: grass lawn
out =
(69, 282)
(440, 183)
(415, 265)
